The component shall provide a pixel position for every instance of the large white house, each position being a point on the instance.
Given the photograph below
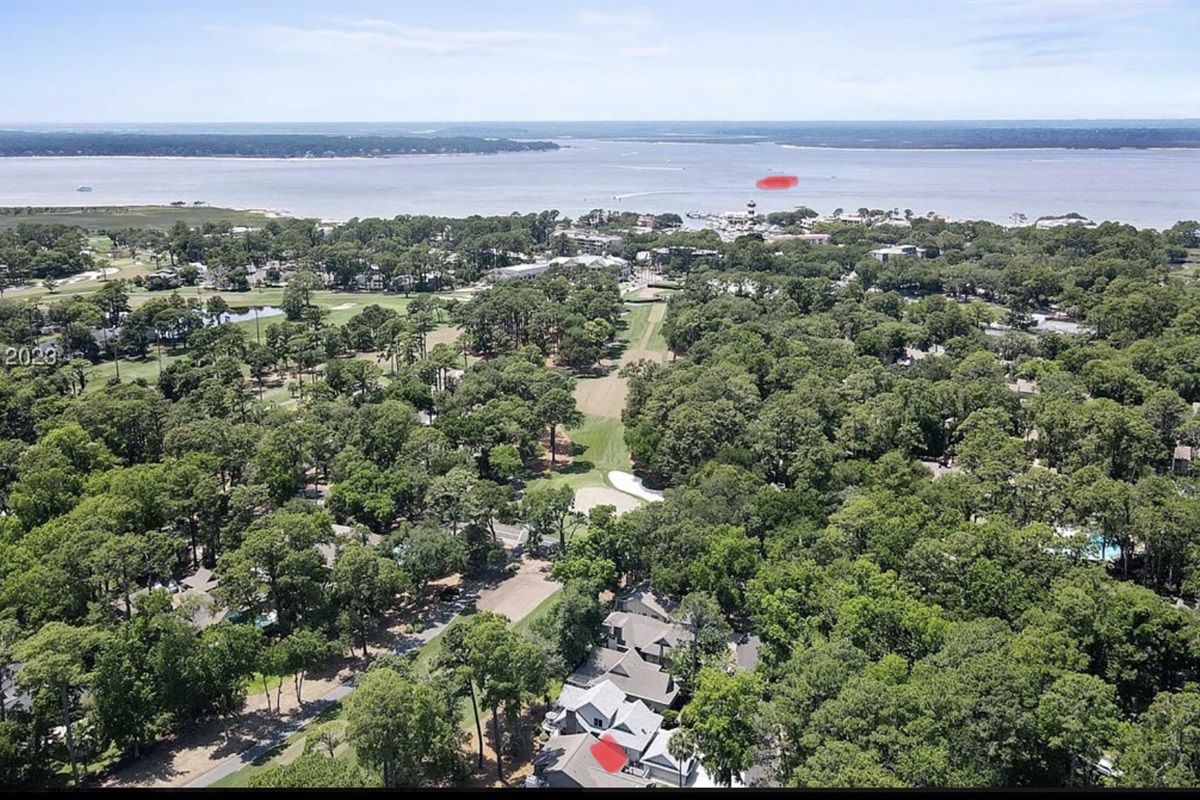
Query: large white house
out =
(885, 254)
(593, 262)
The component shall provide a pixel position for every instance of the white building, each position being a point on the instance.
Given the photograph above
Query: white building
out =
(592, 243)
(885, 254)
(810, 238)
(519, 271)
(593, 262)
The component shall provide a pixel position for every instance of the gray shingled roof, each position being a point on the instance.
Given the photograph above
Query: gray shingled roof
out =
(644, 633)
(604, 695)
(632, 675)
(635, 726)
(652, 600)
(658, 754)
(571, 758)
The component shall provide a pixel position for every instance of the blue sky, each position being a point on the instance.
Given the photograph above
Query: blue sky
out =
(121, 61)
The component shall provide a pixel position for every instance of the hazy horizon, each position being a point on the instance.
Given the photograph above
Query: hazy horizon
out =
(1185, 121)
(124, 62)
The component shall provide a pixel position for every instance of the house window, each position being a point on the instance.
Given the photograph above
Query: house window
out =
(597, 722)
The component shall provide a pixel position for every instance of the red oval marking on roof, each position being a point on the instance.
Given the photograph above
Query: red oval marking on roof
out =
(778, 182)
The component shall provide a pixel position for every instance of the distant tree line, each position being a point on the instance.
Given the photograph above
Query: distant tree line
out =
(200, 145)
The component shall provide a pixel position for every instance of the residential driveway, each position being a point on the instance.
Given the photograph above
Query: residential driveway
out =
(520, 594)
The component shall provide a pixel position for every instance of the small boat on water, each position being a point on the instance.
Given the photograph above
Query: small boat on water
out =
(84, 189)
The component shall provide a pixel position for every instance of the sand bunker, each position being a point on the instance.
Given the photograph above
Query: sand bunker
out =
(589, 497)
(633, 485)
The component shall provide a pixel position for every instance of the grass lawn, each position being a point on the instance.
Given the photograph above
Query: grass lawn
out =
(131, 369)
(636, 319)
(159, 217)
(599, 448)
(658, 342)
(61, 778)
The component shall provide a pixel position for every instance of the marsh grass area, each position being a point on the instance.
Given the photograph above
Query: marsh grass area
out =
(95, 218)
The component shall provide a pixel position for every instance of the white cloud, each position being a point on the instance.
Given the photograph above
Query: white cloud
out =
(356, 37)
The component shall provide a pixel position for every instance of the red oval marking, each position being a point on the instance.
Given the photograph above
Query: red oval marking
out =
(778, 182)
(609, 753)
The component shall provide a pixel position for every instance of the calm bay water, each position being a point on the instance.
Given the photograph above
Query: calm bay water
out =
(1147, 188)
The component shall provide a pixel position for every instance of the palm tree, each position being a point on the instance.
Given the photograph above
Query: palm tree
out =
(681, 747)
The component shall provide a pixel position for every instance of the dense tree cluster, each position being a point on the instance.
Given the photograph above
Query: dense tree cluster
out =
(114, 493)
(404, 254)
(37, 251)
(572, 315)
(920, 630)
(1016, 611)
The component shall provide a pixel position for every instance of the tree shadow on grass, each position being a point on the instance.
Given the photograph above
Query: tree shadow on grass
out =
(616, 349)
(598, 370)
(266, 757)
(577, 467)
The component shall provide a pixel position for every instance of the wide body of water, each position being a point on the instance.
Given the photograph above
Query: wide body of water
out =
(1146, 188)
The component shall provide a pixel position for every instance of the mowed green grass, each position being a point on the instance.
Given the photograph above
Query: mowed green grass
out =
(599, 448)
(101, 244)
(636, 319)
(658, 342)
(340, 305)
(131, 369)
(109, 217)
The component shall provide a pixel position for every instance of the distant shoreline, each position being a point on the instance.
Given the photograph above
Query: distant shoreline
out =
(834, 148)
(285, 146)
(287, 159)
(985, 149)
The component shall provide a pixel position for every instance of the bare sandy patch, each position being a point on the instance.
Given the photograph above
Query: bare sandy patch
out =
(200, 748)
(632, 484)
(446, 335)
(564, 450)
(589, 497)
(515, 597)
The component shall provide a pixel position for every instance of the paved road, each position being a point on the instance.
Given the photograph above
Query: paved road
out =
(312, 709)
(517, 535)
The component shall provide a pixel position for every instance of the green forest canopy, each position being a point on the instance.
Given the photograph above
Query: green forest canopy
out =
(957, 631)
